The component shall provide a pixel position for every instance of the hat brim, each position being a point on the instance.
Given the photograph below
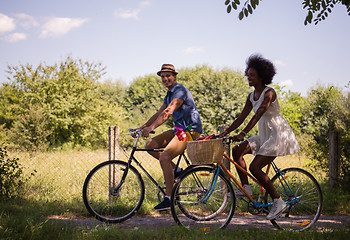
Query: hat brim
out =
(158, 73)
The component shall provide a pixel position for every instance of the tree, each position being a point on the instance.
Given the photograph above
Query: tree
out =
(328, 109)
(219, 94)
(318, 10)
(10, 105)
(76, 107)
(291, 104)
(143, 98)
(31, 130)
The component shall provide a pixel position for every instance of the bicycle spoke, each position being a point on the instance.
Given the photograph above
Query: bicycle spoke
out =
(303, 213)
(188, 207)
(100, 198)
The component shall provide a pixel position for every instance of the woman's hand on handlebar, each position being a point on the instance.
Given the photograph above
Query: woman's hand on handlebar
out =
(238, 138)
(221, 135)
(235, 138)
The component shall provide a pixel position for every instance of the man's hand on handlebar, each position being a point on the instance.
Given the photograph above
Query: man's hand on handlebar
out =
(146, 131)
(143, 131)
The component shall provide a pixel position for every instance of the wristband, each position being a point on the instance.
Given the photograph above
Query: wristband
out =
(244, 133)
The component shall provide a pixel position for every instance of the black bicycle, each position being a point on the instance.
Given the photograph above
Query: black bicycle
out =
(114, 190)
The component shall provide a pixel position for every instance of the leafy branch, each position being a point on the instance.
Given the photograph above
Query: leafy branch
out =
(318, 10)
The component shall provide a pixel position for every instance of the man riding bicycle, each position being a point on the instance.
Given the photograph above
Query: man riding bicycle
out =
(179, 103)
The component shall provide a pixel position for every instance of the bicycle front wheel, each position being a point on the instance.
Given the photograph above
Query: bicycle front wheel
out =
(194, 208)
(305, 199)
(108, 197)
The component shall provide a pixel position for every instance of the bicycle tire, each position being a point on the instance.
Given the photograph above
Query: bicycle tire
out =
(187, 208)
(305, 213)
(101, 198)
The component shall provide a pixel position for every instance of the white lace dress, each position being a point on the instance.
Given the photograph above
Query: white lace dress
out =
(276, 138)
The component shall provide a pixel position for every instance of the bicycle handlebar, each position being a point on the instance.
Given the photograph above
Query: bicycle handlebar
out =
(226, 139)
(134, 132)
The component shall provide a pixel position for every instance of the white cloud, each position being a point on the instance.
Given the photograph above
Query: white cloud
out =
(280, 63)
(26, 21)
(15, 37)
(7, 24)
(287, 83)
(145, 3)
(131, 13)
(56, 26)
(127, 13)
(193, 50)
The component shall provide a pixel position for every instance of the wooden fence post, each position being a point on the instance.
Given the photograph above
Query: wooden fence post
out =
(113, 153)
(113, 142)
(334, 157)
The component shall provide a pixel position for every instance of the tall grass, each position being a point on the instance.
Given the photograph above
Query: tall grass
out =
(55, 188)
(59, 176)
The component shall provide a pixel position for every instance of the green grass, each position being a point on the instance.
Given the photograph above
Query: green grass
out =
(55, 190)
(23, 219)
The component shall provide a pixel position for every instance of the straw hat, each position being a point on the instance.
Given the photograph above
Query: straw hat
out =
(167, 68)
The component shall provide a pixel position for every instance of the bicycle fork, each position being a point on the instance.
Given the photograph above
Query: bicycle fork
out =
(212, 186)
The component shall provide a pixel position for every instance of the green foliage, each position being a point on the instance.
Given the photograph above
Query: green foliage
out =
(320, 7)
(10, 105)
(291, 104)
(219, 95)
(78, 109)
(31, 130)
(328, 109)
(144, 97)
(4, 139)
(10, 175)
(112, 92)
(319, 10)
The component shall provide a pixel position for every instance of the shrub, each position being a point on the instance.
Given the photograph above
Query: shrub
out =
(10, 175)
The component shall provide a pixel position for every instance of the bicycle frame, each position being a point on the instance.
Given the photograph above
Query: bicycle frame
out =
(258, 204)
(138, 163)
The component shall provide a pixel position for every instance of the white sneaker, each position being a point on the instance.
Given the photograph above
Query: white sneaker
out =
(277, 209)
(240, 195)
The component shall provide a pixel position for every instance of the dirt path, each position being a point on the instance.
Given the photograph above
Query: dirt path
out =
(239, 221)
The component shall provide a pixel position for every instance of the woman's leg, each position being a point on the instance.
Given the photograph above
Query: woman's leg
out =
(259, 162)
(238, 152)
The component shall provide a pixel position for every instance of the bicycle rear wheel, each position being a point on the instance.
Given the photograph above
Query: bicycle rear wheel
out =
(109, 200)
(187, 205)
(306, 210)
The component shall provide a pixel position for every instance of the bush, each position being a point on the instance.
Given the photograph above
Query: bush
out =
(328, 109)
(10, 175)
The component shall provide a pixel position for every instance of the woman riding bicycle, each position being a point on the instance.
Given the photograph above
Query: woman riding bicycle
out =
(275, 138)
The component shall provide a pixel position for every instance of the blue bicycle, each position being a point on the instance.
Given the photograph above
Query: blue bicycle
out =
(203, 198)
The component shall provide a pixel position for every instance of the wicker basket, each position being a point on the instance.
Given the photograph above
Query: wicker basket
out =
(205, 152)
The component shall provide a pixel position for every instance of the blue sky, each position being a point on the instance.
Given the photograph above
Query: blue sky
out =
(133, 38)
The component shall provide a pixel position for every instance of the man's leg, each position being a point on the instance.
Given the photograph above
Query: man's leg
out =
(167, 166)
(159, 141)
